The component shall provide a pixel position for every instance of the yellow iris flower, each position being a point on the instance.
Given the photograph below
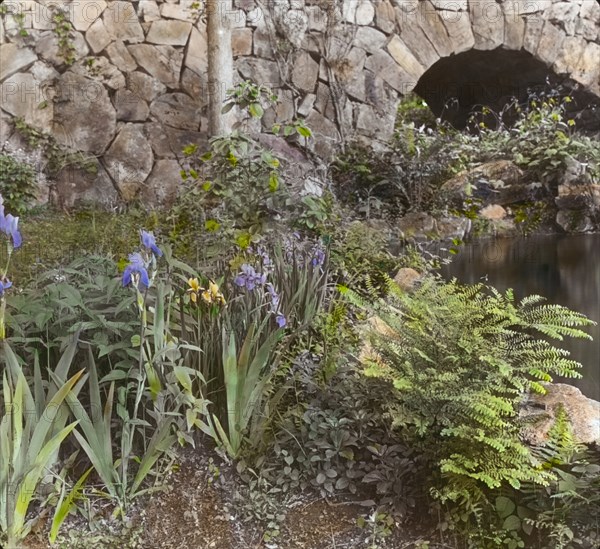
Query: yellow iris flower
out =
(213, 295)
(194, 289)
(210, 296)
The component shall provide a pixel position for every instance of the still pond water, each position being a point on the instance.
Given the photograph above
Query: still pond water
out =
(563, 268)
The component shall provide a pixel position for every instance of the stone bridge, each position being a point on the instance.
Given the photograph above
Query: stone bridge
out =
(127, 83)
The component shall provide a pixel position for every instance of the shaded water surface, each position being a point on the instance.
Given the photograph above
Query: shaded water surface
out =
(563, 268)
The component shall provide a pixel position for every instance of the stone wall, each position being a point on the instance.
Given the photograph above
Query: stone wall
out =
(134, 91)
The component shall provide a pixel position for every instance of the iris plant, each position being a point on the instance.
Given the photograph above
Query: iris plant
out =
(9, 226)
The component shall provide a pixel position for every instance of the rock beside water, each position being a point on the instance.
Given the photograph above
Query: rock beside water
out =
(540, 413)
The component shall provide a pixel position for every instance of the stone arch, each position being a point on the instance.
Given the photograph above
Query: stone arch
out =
(425, 38)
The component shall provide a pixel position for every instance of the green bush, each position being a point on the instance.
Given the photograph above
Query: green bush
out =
(540, 140)
(17, 183)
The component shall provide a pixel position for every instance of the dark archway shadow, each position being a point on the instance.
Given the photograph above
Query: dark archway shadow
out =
(456, 85)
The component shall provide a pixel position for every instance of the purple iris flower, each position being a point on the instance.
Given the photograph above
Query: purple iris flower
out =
(274, 295)
(275, 300)
(281, 320)
(9, 225)
(4, 285)
(148, 241)
(136, 266)
(249, 278)
(318, 258)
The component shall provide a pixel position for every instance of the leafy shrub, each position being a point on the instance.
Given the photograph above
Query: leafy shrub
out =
(17, 183)
(84, 298)
(540, 139)
(402, 179)
(360, 256)
(460, 357)
(238, 184)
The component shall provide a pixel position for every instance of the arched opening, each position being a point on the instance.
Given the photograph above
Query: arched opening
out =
(456, 85)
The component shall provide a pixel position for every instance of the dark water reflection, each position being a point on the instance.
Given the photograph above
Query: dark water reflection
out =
(564, 269)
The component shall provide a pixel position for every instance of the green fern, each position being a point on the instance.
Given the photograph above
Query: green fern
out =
(461, 358)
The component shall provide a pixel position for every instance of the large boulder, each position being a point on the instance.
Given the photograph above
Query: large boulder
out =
(162, 62)
(407, 278)
(578, 199)
(539, 414)
(421, 226)
(498, 182)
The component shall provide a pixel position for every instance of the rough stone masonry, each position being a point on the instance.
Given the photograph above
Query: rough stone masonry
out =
(128, 84)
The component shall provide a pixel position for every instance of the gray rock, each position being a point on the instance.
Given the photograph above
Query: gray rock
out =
(373, 122)
(407, 278)
(84, 117)
(163, 184)
(293, 25)
(195, 86)
(539, 413)
(169, 32)
(241, 41)
(497, 182)
(122, 23)
(169, 143)
(369, 39)
(47, 47)
(148, 10)
(262, 44)
(130, 107)
(196, 57)
(129, 160)
(305, 72)
(176, 110)
(162, 62)
(144, 86)
(26, 97)
(101, 70)
(261, 71)
(306, 104)
(6, 128)
(83, 14)
(184, 11)
(14, 59)
(384, 65)
(325, 132)
(574, 221)
(75, 187)
(385, 16)
(120, 56)
(324, 102)
(97, 36)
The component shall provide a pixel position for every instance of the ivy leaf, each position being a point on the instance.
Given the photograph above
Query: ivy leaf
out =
(304, 131)
(189, 150)
(512, 523)
(256, 110)
(226, 108)
(273, 182)
(504, 506)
